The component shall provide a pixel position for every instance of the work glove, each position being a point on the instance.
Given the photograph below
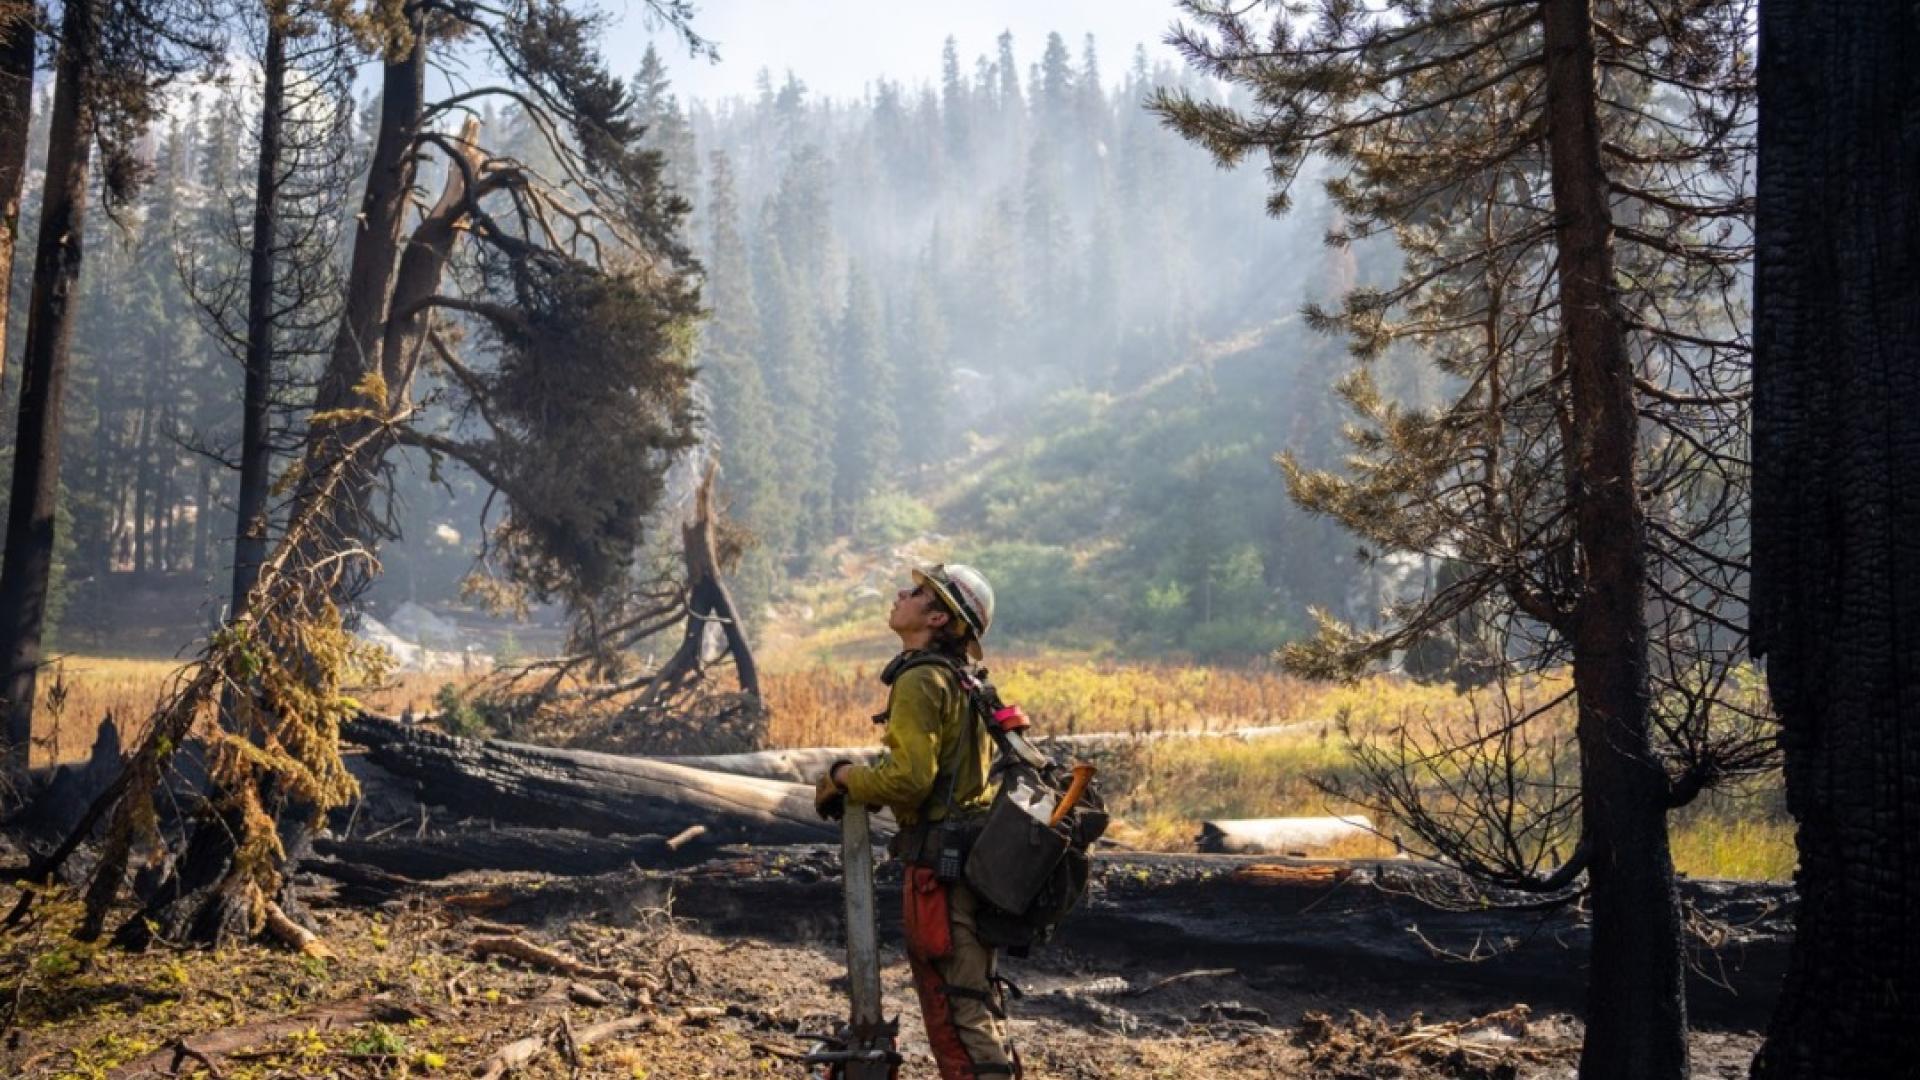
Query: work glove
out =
(828, 800)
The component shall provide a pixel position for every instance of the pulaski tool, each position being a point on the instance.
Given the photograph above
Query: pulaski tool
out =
(865, 1049)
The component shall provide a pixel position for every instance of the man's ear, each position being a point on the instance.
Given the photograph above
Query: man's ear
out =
(936, 610)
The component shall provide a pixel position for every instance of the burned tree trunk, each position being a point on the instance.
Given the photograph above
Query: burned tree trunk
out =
(552, 851)
(17, 41)
(708, 601)
(256, 449)
(192, 902)
(1836, 447)
(601, 793)
(1636, 1011)
(27, 568)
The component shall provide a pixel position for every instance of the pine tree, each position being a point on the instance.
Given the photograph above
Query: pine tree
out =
(742, 418)
(18, 45)
(657, 110)
(956, 109)
(866, 445)
(924, 404)
(1560, 248)
(112, 61)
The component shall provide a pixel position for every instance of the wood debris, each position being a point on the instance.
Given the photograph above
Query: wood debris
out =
(519, 948)
(1292, 874)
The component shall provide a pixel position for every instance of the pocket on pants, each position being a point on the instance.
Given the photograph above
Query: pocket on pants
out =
(929, 931)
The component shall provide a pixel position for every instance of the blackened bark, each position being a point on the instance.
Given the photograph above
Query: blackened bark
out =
(370, 280)
(708, 601)
(28, 564)
(1836, 525)
(1636, 1001)
(429, 249)
(548, 787)
(17, 40)
(256, 451)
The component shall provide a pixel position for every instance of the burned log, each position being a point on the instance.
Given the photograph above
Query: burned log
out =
(546, 787)
(1364, 918)
(564, 852)
(803, 765)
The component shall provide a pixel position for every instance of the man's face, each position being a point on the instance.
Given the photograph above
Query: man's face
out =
(916, 608)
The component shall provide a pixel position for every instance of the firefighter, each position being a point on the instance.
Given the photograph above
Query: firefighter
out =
(933, 774)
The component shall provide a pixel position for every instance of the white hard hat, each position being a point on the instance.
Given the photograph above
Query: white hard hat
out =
(966, 593)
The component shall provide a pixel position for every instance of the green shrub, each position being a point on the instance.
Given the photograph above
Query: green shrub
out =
(1036, 587)
(890, 518)
(463, 716)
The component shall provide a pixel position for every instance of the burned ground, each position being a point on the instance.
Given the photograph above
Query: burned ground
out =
(675, 985)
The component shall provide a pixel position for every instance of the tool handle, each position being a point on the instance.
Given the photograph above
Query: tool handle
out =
(1082, 775)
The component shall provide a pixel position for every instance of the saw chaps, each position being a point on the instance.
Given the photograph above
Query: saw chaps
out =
(953, 973)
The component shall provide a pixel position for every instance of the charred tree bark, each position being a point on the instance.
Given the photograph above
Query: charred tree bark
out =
(708, 601)
(1836, 527)
(428, 250)
(370, 278)
(552, 851)
(1636, 999)
(193, 904)
(580, 789)
(17, 49)
(28, 563)
(256, 449)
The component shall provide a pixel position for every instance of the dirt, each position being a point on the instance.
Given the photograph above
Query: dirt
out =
(716, 1007)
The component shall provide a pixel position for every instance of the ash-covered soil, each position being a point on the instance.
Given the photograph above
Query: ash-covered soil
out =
(705, 1005)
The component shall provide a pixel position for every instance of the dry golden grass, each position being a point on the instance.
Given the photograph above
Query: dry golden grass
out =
(1161, 789)
(834, 706)
(76, 693)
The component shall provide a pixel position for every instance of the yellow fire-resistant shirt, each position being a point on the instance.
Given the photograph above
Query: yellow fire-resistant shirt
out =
(930, 733)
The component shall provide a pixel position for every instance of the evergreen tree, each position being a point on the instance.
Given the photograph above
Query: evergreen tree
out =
(742, 418)
(866, 444)
(924, 405)
(1477, 136)
(657, 110)
(956, 108)
(794, 363)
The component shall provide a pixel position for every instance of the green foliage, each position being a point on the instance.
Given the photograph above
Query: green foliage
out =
(1037, 588)
(1169, 506)
(377, 1040)
(462, 715)
(891, 518)
(590, 398)
(866, 441)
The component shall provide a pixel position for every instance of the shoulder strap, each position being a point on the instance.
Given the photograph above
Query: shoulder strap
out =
(945, 783)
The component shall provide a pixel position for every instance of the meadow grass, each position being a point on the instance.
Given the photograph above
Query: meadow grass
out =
(1160, 789)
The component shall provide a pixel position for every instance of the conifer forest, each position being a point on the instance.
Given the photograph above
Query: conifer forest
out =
(1426, 474)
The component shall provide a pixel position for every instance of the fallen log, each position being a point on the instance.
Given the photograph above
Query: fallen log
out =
(563, 852)
(803, 765)
(600, 793)
(1279, 836)
(1334, 919)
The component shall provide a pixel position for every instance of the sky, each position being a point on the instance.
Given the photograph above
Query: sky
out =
(838, 47)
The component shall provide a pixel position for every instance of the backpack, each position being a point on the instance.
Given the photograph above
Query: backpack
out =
(1029, 874)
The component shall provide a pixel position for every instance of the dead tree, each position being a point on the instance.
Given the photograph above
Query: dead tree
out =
(112, 61)
(583, 789)
(1836, 445)
(282, 669)
(708, 603)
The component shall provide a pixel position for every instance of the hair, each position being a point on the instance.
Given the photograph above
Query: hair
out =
(952, 636)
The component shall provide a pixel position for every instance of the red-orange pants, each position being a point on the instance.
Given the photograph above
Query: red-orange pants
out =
(953, 975)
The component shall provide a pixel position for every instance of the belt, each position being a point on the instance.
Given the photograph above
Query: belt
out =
(919, 844)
